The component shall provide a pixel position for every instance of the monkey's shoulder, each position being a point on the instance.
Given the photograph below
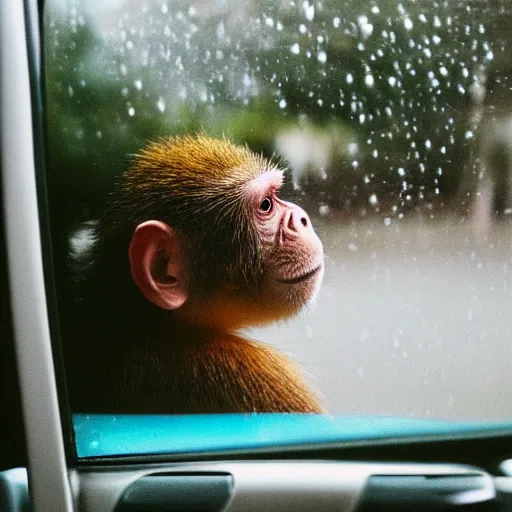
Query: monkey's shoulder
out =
(254, 377)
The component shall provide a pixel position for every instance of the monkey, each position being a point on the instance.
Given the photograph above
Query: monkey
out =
(193, 246)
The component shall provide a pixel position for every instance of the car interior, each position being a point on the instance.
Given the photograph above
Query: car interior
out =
(49, 458)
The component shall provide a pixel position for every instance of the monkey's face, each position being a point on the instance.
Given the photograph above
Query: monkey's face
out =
(290, 268)
(292, 253)
(232, 254)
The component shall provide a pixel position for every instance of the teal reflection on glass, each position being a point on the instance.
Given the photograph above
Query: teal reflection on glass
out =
(100, 435)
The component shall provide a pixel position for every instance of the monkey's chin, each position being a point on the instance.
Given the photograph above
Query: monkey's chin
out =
(298, 291)
(305, 276)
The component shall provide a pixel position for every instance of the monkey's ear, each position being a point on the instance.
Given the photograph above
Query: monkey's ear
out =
(158, 264)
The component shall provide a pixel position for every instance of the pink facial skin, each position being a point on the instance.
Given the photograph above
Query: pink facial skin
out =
(288, 237)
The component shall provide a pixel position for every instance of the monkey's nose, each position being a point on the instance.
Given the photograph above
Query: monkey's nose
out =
(298, 220)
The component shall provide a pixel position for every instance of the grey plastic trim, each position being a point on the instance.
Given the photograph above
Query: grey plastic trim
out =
(503, 485)
(48, 479)
(179, 492)
(278, 485)
(506, 467)
(14, 491)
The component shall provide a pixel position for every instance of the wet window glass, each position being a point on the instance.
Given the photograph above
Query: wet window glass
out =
(392, 124)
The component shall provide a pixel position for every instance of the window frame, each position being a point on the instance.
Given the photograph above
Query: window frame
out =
(26, 242)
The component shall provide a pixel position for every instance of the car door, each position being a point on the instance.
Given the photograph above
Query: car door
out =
(242, 461)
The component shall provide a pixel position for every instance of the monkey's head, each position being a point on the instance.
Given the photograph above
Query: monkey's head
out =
(210, 239)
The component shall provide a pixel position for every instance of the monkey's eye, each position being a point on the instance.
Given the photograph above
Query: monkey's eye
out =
(266, 205)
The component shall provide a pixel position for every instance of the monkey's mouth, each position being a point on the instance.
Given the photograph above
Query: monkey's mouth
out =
(302, 277)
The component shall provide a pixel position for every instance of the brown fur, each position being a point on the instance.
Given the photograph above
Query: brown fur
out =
(199, 373)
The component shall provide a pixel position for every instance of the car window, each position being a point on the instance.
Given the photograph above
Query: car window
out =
(391, 123)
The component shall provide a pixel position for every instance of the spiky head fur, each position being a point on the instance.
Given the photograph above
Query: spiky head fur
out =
(196, 184)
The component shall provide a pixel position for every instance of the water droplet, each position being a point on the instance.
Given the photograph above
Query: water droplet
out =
(369, 80)
(309, 11)
(323, 209)
(365, 27)
(131, 111)
(160, 104)
(221, 30)
(295, 48)
(282, 103)
(322, 57)
(353, 148)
